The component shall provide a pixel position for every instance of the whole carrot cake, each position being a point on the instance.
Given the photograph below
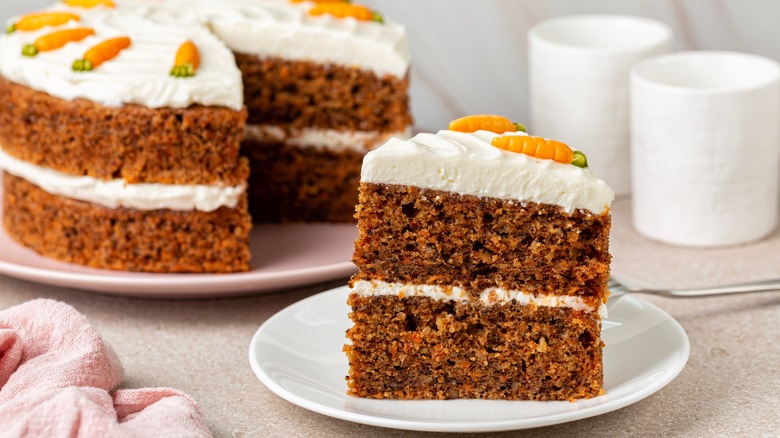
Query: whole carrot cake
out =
(158, 150)
(483, 267)
(120, 140)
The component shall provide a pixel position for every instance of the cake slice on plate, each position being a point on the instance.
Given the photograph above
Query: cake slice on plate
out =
(483, 268)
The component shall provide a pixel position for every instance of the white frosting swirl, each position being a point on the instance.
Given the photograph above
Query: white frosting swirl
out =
(467, 164)
(139, 74)
(489, 296)
(279, 28)
(118, 193)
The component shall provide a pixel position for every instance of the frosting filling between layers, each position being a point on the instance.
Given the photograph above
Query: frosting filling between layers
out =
(359, 141)
(488, 296)
(118, 193)
(467, 164)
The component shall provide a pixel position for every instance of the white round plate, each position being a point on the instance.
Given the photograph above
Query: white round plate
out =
(282, 256)
(297, 354)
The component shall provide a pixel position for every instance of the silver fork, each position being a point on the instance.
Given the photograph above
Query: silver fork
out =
(620, 287)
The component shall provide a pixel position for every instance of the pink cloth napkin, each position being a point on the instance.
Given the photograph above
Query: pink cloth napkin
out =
(57, 379)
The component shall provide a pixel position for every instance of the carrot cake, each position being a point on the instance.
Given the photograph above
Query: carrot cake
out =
(152, 152)
(120, 140)
(483, 267)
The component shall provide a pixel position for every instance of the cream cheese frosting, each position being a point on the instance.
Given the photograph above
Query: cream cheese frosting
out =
(488, 296)
(279, 28)
(467, 164)
(331, 139)
(118, 193)
(139, 74)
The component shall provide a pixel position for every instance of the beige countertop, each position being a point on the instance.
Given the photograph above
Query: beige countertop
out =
(730, 386)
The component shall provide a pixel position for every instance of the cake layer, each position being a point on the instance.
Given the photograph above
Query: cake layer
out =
(195, 145)
(422, 236)
(304, 94)
(294, 184)
(126, 239)
(421, 348)
(467, 163)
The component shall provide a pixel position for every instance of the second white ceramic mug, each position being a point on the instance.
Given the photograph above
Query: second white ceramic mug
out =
(579, 74)
(705, 147)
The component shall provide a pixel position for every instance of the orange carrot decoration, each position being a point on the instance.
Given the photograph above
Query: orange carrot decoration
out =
(105, 51)
(319, 1)
(42, 19)
(485, 122)
(540, 147)
(55, 40)
(343, 10)
(187, 60)
(88, 4)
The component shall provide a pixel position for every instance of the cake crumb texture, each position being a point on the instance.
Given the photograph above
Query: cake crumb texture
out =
(194, 145)
(124, 239)
(421, 236)
(301, 94)
(293, 184)
(420, 348)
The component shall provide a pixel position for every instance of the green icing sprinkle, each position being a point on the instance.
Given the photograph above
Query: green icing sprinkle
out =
(82, 65)
(183, 71)
(29, 50)
(579, 159)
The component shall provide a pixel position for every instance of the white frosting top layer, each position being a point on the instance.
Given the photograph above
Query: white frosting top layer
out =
(488, 296)
(331, 139)
(467, 164)
(118, 193)
(279, 28)
(140, 74)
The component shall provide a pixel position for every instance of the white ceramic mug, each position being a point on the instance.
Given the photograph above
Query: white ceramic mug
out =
(579, 74)
(705, 147)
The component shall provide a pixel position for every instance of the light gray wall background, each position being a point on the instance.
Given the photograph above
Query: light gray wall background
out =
(470, 55)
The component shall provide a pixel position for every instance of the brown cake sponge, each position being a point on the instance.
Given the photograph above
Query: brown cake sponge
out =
(126, 239)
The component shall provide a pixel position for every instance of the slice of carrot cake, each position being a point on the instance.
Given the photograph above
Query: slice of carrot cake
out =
(120, 140)
(483, 267)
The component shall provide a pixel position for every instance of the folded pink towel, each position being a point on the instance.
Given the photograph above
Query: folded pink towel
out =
(57, 379)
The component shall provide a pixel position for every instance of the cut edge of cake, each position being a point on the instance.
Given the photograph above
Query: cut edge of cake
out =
(482, 273)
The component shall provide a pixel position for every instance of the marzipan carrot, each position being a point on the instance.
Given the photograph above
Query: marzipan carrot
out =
(55, 40)
(319, 1)
(485, 122)
(42, 19)
(540, 147)
(343, 10)
(187, 60)
(87, 4)
(105, 51)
